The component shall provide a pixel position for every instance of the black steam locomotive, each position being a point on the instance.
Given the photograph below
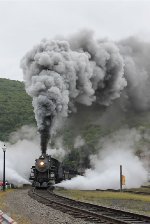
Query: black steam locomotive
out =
(49, 171)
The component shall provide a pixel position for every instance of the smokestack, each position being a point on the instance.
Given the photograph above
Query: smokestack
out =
(45, 133)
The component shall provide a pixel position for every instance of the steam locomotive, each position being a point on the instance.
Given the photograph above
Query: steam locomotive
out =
(46, 172)
(49, 171)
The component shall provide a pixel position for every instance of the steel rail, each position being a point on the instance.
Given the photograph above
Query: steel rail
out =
(87, 211)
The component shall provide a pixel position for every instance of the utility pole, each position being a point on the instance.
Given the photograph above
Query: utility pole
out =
(120, 178)
(4, 150)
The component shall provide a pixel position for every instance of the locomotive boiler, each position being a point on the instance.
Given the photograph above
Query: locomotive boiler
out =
(46, 172)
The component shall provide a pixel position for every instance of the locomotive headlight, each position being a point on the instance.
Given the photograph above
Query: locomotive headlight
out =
(41, 163)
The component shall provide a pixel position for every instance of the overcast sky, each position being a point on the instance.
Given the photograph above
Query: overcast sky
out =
(24, 23)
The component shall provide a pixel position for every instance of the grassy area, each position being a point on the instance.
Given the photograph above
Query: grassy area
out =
(5, 208)
(128, 201)
(141, 189)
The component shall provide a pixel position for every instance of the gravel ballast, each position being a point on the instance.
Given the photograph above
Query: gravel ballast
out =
(20, 204)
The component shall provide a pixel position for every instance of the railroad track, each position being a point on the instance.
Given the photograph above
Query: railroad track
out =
(87, 211)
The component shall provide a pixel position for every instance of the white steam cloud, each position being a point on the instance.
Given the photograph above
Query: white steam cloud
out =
(78, 142)
(105, 172)
(19, 159)
(21, 155)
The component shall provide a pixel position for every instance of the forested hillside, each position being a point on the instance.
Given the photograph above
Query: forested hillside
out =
(15, 107)
(89, 123)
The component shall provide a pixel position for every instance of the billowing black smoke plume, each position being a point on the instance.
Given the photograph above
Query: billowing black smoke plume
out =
(136, 56)
(59, 73)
